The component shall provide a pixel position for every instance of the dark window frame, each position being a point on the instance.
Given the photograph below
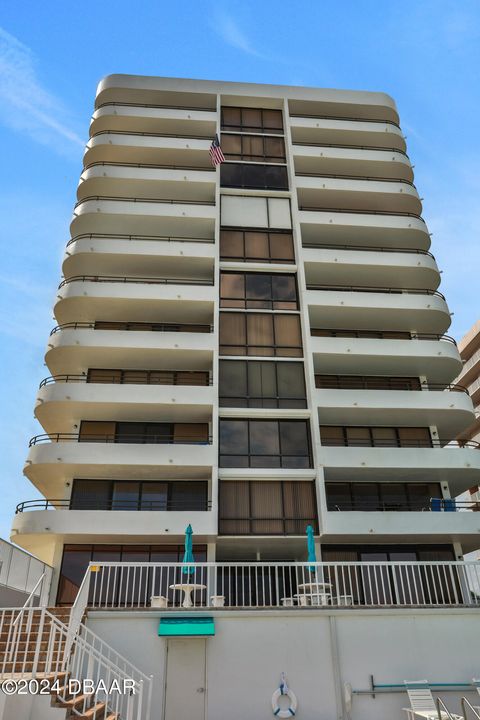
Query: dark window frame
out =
(173, 376)
(352, 504)
(366, 382)
(264, 157)
(254, 176)
(139, 504)
(270, 234)
(281, 455)
(375, 442)
(276, 401)
(273, 346)
(269, 301)
(263, 128)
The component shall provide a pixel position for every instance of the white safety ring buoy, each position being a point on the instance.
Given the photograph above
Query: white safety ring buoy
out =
(290, 711)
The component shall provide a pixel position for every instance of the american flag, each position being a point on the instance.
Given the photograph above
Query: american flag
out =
(216, 155)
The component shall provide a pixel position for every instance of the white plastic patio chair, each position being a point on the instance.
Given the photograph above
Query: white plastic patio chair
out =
(422, 702)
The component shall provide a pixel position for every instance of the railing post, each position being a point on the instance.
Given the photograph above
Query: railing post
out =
(39, 640)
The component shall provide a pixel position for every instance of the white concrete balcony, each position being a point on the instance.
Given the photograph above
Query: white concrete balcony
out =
(412, 527)
(132, 216)
(53, 461)
(449, 410)
(363, 228)
(137, 147)
(367, 265)
(433, 357)
(351, 160)
(63, 403)
(146, 182)
(150, 118)
(335, 131)
(137, 255)
(36, 527)
(317, 191)
(84, 298)
(457, 467)
(338, 306)
(79, 346)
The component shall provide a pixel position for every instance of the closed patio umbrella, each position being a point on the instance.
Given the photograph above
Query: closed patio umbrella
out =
(188, 556)
(311, 548)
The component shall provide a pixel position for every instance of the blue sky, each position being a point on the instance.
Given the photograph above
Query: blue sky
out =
(423, 52)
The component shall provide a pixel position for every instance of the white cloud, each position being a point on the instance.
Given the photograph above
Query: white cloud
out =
(231, 34)
(25, 105)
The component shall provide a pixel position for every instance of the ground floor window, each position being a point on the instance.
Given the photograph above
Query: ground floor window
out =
(77, 557)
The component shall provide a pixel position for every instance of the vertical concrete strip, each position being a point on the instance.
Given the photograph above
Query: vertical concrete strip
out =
(337, 678)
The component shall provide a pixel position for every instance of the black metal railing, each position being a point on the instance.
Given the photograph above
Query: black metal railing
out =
(162, 201)
(161, 107)
(149, 377)
(149, 238)
(351, 211)
(400, 443)
(429, 505)
(337, 382)
(369, 289)
(153, 166)
(118, 438)
(350, 147)
(139, 280)
(344, 117)
(355, 177)
(140, 504)
(136, 327)
(378, 335)
(151, 134)
(367, 248)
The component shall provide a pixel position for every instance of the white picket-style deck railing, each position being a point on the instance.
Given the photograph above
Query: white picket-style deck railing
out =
(272, 585)
(38, 645)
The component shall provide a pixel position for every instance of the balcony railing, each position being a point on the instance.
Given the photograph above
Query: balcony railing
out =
(150, 377)
(354, 177)
(351, 147)
(337, 382)
(141, 280)
(351, 211)
(119, 439)
(173, 107)
(137, 327)
(274, 585)
(368, 289)
(366, 248)
(155, 201)
(142, 504)
(107, 163)
(379, 335)
(400, 443)
(149, 238)
(149, 134)
(431, 505)
(343, 117)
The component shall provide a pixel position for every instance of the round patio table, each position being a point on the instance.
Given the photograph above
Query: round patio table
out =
(187, 588)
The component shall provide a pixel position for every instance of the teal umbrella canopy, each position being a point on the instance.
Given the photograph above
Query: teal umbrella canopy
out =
(188, 556)
(311, 547)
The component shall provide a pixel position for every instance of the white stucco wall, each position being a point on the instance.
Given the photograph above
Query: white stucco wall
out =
(319, 651)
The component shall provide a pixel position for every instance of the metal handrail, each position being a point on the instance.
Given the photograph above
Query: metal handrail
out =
(355, 177)
(383, 506)
(413, 336)
(150, 134)
(369, 289)
(119, 439)
(398, 213)
(394, 443)
(151, 105)
(209, 203)
(467, 704)
(113, 505)
(118, 236)
(337, 382)
(140, 280)
(442, 709)
(343, 117)
(115, 380)
(106, 163)
(368, 248)
(29, 600)
(159, 327)
(350, 147)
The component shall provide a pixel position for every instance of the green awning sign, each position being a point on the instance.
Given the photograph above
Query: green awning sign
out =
(186, 627)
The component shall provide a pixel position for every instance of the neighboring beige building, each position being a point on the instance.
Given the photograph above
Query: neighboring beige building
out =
(469, 347)
(254, 349)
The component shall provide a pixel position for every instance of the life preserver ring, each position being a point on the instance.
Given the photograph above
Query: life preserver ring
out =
(290, 711)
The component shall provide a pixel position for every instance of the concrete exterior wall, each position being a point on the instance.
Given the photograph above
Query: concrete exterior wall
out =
(320, 652)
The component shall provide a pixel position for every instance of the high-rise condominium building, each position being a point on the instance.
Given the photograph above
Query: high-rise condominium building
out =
(252, 349)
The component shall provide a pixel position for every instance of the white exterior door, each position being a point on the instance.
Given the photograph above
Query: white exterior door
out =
(185, 681)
